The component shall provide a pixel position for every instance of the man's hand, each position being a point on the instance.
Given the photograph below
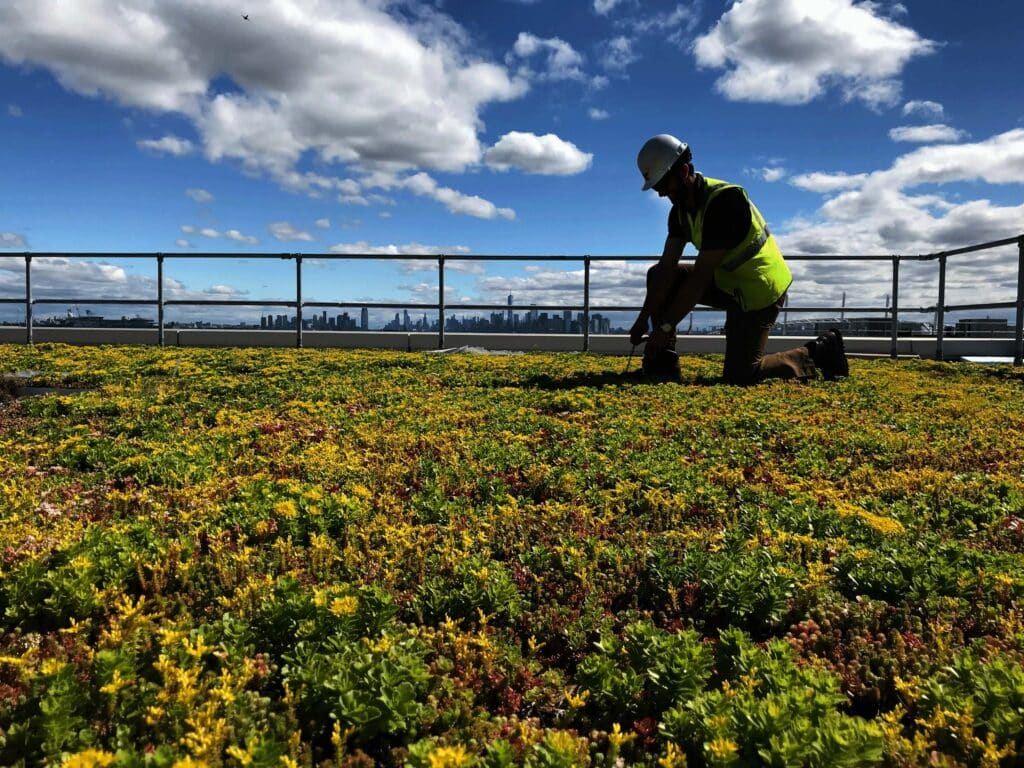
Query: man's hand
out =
(659, 340)
(636, 333)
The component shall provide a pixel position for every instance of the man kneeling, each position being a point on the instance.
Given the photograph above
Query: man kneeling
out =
(739, 269)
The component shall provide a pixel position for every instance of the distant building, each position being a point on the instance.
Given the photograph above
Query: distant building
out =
(988, 326)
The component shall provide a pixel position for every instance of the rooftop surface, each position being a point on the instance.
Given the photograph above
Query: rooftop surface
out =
(279, 557)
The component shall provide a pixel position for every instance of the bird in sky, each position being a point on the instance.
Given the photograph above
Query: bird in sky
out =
(245, 16)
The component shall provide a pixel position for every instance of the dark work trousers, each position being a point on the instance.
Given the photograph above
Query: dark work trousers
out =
(746, 334)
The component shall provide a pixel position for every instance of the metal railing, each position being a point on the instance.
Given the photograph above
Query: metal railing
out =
(939, 309)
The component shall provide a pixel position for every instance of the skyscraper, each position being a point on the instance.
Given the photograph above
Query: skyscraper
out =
(364, 319)
(508, 318)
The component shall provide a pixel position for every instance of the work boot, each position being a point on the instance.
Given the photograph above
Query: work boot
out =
(663, 365)
(829, 354)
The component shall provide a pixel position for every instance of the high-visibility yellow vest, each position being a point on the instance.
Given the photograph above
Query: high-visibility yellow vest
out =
(754, 272)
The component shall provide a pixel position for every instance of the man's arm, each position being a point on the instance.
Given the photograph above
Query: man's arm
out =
(657, 293)
(700, 279)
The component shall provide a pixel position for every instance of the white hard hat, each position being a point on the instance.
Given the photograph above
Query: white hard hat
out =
(657, 156)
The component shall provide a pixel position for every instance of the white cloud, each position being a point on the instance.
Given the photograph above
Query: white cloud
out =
(283, 231)
(828, 182)
(790, 51)
(470, 205)
(925, 108)
(409, 249)
(199, 195)
(879, 212)
(295, 94)
(604, 7)
(13, 240)
(769, 174)
(323, 223)
(213, 234)
(353, 200)
(673, 26)
(182, 243)
(14, 110)
(926, 133)
(547, 155)
(618, 54)
(561, 60)
(169, 145)
(234, 234)
(598, 114)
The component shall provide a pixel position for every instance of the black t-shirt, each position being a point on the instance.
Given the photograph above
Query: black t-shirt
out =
(726, 221)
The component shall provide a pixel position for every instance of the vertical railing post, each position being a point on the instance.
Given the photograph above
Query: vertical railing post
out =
(440, 301)
(940, 310)
(28, 298)
(298, 300)
(586, 303)
(160, 299)
(1018, 357)
(894, 352)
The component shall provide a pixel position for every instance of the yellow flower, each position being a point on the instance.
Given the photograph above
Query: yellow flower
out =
(189, 762)
(244, 756)
(90, 758)
(722, 749)
(617, 738)
(577, 700)
(286, 509)
(51, 666)
(344, 606)
(673, 758)
(116, 683)
(449, 757)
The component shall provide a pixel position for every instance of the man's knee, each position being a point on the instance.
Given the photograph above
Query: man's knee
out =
(654, 275)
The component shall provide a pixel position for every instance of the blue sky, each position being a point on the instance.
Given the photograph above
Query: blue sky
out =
(499, 127)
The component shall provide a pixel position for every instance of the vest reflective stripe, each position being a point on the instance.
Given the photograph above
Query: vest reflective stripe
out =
(754, 272)
(731, 265)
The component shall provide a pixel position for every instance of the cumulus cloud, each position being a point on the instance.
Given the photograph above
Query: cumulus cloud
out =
(925, 108)
(881, 212)
(598, 114)
(234, 234)
(790, 51)
(292, 90)
(424, 185)
(926, 133)
(61, 277)
(414, 249)
(285, 232)
(214, 234)
(168, 145)
(560, 60)
(828, 182)
(769, 174)
(323, 223)
(14, 110)
(13, 240)
(547, 155)
(199, 195)
(182, 243)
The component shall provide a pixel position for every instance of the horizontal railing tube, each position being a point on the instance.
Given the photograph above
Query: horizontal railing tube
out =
(588, 308)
